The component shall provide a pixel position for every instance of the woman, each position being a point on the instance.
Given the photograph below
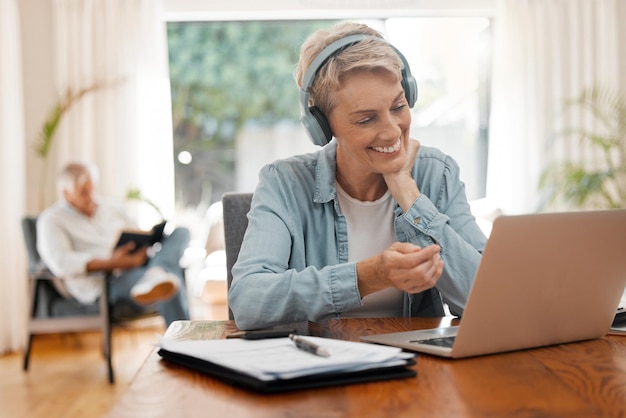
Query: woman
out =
(373, 224)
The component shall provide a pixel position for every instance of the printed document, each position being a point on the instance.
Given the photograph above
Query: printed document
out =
(279, 358)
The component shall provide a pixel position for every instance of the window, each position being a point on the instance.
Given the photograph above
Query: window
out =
(451, 61)
(235, 101)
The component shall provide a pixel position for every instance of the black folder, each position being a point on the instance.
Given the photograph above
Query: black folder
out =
(334, 378)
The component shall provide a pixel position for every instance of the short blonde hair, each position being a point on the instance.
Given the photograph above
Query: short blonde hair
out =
(367, 55)
(74, 174)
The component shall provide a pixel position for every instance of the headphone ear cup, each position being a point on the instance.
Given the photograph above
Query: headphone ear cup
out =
(410, 88)
(324, 126)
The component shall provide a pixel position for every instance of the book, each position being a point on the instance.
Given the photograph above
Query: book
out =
(277, 365)
(142, 238)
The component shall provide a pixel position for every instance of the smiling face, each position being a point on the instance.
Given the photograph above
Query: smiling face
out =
(370, 122)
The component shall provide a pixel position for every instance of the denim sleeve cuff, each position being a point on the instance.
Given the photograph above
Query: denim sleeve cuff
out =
(344, 289)
(423, 220)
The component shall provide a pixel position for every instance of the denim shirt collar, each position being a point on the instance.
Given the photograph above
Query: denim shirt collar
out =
(325, 181)
(325, 175)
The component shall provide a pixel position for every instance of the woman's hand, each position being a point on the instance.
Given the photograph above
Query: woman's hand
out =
(401, 184)
(402, 265)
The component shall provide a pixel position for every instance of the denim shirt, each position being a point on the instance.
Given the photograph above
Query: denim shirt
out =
(293, 263)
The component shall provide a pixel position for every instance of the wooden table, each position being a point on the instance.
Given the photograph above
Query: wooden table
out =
(586, 379)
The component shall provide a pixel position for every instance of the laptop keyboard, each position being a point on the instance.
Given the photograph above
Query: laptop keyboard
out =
(620, 317)
(440, 342)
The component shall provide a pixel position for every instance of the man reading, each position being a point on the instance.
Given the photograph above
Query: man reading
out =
(76, 239)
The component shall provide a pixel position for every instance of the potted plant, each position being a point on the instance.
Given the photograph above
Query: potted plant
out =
(51, 123)
(50, 126)
(601, 185)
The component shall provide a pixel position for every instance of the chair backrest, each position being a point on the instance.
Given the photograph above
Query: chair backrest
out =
(235, 207)
(29, 229)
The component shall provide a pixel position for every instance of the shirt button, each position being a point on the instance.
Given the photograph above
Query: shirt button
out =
(417, 220)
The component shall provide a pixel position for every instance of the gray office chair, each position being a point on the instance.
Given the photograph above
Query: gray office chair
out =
(235, 208)
(54, 311)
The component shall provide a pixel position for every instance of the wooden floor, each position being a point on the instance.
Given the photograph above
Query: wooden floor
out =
(67, 375)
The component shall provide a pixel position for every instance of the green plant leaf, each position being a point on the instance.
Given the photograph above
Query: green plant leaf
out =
(577, 184)
(135, 194)
(60, 108)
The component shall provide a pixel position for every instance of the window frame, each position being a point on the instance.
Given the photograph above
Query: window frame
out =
(207, 10)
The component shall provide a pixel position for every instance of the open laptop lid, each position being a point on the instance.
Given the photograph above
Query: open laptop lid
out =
(544, 279)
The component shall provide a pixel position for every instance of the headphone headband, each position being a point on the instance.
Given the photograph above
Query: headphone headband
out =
(312, 118)
(328, 52)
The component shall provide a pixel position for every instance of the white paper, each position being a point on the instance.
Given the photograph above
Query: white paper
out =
(279, 358)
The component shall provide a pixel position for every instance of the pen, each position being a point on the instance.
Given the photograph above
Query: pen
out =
(308, 346)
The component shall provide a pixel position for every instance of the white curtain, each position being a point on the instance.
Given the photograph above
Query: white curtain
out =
(545, 51)
(125, 127)
(12, 256)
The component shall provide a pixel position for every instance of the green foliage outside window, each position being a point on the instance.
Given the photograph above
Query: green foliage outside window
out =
(223, 75)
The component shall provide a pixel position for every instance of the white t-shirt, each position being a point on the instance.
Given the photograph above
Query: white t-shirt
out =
(370, 231)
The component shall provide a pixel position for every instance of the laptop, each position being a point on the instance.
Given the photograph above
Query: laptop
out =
(544, 279)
